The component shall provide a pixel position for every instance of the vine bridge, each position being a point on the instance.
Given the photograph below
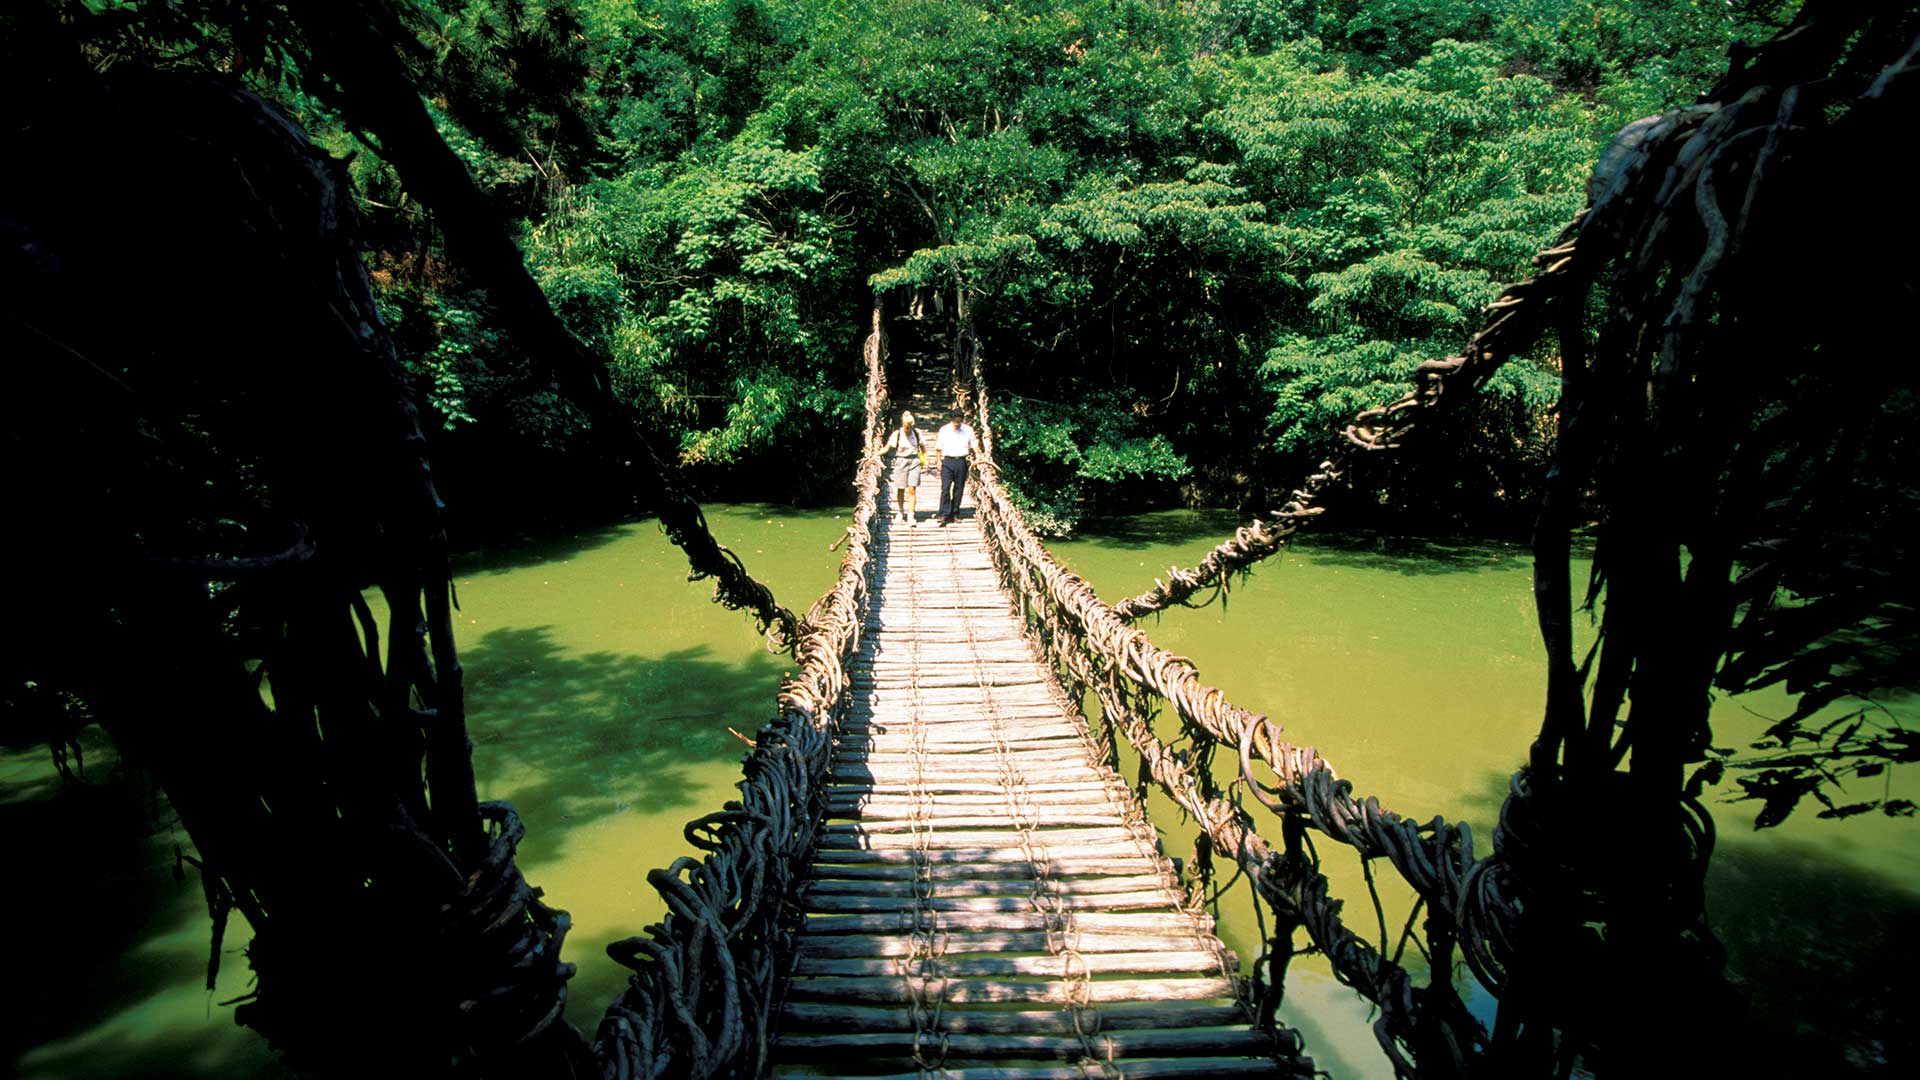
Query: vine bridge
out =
(935, 867)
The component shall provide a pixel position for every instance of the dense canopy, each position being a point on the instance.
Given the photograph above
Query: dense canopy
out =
(567, 255)
(1199, 235)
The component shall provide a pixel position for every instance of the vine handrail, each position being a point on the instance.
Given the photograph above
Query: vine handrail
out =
(701, 996)
(1098, 651)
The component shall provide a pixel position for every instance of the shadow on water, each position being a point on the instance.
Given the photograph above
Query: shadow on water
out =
(1133, 531)
(573, 739)
(94, 850)
(1825, 949)
(1820, 946)
(1479, 805)
(1409, 555)
(524, 550)
(1412, 556)
(105, 929)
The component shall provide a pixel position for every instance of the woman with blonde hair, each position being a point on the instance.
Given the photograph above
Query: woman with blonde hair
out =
(909, 454)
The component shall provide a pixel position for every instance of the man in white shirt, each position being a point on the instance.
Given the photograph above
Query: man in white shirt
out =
(953, 442)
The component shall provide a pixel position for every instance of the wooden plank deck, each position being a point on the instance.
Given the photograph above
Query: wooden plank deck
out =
(987, 899)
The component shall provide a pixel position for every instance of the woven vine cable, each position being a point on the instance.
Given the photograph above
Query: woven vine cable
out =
(696, 1005)
(1231, 831)
(1322, 799)
(1435, 858)
(1474, 896)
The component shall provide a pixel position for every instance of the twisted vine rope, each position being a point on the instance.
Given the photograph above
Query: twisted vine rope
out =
(1093, 647)
(702, 993)
(1472, 903)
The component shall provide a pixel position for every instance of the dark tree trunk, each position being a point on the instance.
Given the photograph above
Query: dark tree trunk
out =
(218, 309)
(354, 50)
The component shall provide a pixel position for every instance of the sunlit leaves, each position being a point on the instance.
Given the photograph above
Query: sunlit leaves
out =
(1056, 449)
(702, 282)
(1418, 194)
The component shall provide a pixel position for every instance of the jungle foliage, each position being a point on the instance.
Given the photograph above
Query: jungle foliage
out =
(1198, 235)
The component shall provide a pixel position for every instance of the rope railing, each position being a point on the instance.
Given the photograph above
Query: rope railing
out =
(705, 980)
(1284, 880)
(1096, 650)
(1473, 905)
(1476, 899)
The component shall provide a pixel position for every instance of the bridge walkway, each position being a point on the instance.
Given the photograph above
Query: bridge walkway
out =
(986, 897)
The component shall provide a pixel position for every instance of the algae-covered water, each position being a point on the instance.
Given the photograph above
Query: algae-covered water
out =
(602, 684)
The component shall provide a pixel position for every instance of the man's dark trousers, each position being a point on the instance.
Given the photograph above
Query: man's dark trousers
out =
(953, 481)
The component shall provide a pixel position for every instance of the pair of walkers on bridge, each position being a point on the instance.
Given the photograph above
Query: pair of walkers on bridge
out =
(952, 446)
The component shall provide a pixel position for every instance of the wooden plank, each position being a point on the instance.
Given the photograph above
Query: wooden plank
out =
(979, 601)
(961, 738)
(960, 724)
(905, 712)
(1164, 921)
(1008, 641)
(943, 587)
(894, 655)
(981, 853)
(1053, 817)
(991, 887)
(1114, 1016)
(1001, 681)
(1014, 871)
(916, 619)
(900, 990)
(937, 786)
(979, 745)
(880, 801)
(947, 775)
(1051, 839)
(994, 675)
(1055, 768)
(958, 624)
(849, 946)
(1064, 966)
(1131, 1069)
(963, 743)
(904, 794)
(1212, 1042)
(952, 657)
(1042, 755)
(952, 722)
(905, 808)
(1055, 765)
(1006, 698)
(826, 905)
(1001, 805)
(900, 706)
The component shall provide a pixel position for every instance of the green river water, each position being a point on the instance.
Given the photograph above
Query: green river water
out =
(601, 685)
